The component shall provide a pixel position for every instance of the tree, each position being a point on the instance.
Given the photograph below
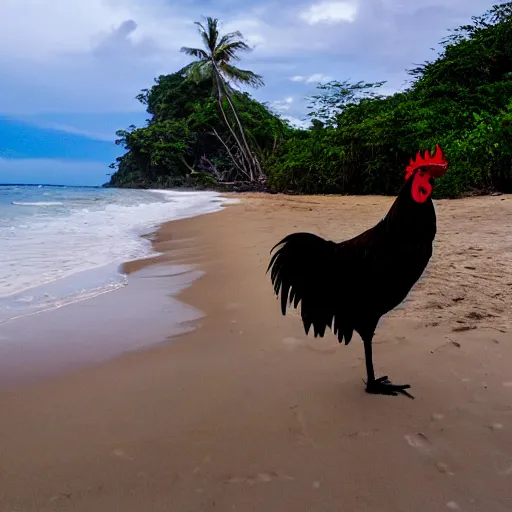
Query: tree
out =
(182, 143)
(214, 63)
(336, 96)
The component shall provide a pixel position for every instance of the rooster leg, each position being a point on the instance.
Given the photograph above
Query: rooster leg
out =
(382, 385)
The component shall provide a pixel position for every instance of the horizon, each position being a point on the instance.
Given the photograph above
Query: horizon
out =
(60, 108)
(56, 185)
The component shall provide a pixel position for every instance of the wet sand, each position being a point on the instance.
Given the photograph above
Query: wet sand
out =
(97, 330)
(246, 413)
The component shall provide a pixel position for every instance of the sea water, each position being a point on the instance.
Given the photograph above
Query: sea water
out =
(60, 245)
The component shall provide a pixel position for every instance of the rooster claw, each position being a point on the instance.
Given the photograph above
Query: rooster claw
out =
(383, 386)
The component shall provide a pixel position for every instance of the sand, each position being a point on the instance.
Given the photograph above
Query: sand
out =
(246, 413)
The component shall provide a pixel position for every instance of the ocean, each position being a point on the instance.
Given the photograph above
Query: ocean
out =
(60, 245)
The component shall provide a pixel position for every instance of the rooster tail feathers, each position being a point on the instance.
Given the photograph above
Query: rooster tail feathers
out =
(344, 332)
(302, 271)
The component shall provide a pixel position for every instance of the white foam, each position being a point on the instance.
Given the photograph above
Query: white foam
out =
(58, 251)
(62, 292)
(37, 203)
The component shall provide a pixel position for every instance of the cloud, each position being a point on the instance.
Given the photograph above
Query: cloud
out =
(311, 79)
(77, 131)
(283, 105)
(72, 56)
(96, 126)
(298, 123)
(330, 12)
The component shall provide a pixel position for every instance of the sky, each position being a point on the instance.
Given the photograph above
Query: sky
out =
(70, 69)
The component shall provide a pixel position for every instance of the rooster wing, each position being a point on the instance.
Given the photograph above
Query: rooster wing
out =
(320, 275)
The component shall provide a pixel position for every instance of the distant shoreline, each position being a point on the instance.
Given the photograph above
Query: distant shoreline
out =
(47, 185)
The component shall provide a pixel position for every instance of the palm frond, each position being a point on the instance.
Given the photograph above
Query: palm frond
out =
(198, 53)
(229, 51)
(199, 71)
(241, 76)
(209, 33)
(214, 60)
(229, 37)
(200, 26)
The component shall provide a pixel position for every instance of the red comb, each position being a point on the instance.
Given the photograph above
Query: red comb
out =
(436, 162)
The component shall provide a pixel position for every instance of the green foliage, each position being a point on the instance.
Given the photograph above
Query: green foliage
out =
(158, 154)
(360, 141)
(184, 143)
(336, 96)
(299, 164)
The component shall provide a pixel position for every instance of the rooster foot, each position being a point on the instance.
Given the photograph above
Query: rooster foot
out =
(383, 386)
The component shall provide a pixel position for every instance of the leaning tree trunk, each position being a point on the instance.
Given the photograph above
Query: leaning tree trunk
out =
(233, 159)
(242, 144)
(247, 163)
(254, 160)
(245, 152)
(254, 168)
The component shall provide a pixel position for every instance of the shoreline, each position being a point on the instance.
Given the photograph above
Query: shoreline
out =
(31, 345)
(57, 343)
(247, 413)
(177, 274)
(83, 238)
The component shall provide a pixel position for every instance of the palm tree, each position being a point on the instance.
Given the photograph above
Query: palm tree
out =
(215, 63)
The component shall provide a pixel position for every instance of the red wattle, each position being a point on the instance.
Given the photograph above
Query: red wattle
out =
(421, 187)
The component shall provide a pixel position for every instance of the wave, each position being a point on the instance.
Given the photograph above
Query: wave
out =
(62, 292)
(37, 203)
(61, 251)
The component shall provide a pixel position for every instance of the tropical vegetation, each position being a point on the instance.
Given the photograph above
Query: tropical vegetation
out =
(204, 131)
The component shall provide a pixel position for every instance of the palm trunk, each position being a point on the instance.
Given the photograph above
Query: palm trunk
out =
(235, 163)
(243, 148)
(254, 165)
(254, 160)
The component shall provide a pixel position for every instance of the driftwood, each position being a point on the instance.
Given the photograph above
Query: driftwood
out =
(244, 186)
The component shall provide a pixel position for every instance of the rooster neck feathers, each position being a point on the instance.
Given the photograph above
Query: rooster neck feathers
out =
(408, 217)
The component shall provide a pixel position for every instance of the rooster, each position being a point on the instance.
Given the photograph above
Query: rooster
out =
(349, 286)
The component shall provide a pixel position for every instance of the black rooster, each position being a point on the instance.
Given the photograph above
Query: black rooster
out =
(348, 286)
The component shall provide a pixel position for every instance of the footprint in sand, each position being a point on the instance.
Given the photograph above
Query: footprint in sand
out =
(420, 442)
(260, 478)
(443, 468)
(292, 343)
(121, 454)
(506, 472)
(296, 343)
(300, 428)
